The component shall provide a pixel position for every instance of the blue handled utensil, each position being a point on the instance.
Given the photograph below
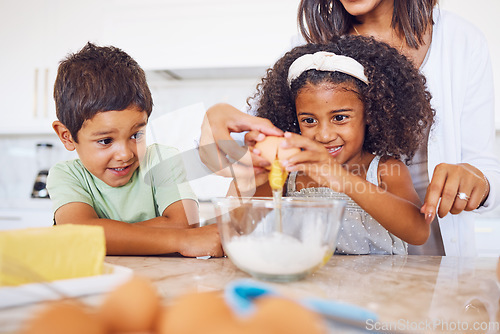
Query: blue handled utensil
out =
(240, 296)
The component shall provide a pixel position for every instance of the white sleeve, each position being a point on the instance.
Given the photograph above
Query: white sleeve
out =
(478, 119)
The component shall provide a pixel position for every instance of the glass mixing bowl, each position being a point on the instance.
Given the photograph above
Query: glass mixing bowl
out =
(278, 244)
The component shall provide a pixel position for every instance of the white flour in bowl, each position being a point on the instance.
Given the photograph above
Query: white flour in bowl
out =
(276, 253)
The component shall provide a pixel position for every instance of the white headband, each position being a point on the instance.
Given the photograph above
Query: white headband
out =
(326, 61)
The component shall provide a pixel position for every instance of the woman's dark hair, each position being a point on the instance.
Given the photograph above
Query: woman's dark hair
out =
(321, 20)
(97, 79)
(397, 105)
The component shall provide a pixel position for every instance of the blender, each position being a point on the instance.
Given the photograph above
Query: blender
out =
(44, 161)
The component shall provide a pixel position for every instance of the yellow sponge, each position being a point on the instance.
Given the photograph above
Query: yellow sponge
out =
(45, 254)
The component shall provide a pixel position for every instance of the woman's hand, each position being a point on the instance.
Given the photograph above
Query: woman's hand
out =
(260, 165)
(217, 147)
(460, 187)
(315, 161)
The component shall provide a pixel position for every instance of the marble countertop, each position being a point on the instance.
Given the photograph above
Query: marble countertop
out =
(409, 293)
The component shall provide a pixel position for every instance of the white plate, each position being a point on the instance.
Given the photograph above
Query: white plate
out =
(75, 287)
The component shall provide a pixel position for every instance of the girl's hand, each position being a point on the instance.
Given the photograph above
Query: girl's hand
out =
(218, 150)
(251, 139)
(449, 183)
(315, 161)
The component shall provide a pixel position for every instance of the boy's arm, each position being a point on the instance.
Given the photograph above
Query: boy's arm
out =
(134, 239)
(180, 214)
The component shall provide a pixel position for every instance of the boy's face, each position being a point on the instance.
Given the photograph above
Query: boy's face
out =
(112, 144)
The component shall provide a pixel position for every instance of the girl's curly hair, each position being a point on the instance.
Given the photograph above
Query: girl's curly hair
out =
(397, 105)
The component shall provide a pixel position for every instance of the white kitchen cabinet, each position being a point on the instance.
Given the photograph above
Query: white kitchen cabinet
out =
(41, 33)
(167, 34)
(484, 16)
(179, 34)
(172, 35)
(162, 34)
(25, 80)
(14, 218)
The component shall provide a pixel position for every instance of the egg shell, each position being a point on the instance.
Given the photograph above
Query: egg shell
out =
(197, 312)
(132, 306)
(63, 317)
(498, 269)
(281, 315)
(270, 145)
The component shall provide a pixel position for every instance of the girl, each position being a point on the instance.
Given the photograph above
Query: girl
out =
(360, 107)
(450, 173)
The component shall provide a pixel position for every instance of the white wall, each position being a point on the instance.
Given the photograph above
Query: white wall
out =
(484, 14)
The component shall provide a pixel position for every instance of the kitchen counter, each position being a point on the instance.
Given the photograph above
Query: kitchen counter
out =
(409, 293)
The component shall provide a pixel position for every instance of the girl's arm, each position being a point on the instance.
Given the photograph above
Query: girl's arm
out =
(394, 203)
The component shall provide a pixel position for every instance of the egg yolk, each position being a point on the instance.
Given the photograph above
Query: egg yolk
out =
(277, 175)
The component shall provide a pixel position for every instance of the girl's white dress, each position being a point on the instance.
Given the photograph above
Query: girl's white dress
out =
(359, 232)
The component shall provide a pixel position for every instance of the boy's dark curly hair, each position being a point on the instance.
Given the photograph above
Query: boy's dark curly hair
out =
(397, 105)
(97, 79)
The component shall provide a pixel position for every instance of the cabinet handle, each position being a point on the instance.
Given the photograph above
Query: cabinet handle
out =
(10, 218)
(46, 94)
(35, 94)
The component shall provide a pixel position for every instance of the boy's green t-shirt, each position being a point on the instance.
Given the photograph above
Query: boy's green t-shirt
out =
(158, 182)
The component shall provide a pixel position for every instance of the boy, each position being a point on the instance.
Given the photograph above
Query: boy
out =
(138, 194)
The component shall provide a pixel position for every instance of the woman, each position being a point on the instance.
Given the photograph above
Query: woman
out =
(458, 160)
